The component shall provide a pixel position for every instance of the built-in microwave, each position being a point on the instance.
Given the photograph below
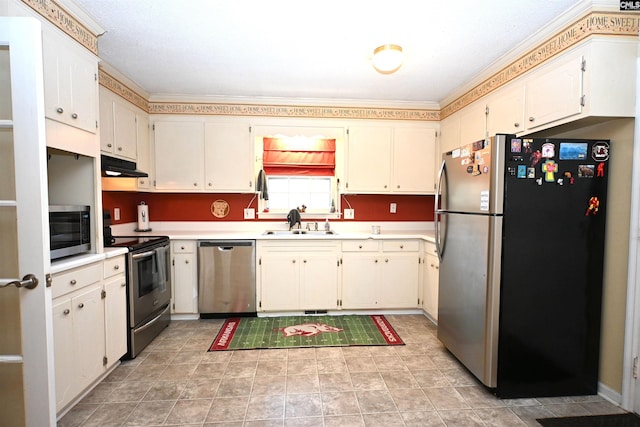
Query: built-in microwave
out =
(69, 230)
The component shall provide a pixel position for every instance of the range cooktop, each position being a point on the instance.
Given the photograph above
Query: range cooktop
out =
(136, 242)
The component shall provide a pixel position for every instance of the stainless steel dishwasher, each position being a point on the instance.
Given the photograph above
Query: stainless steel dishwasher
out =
(226, 278)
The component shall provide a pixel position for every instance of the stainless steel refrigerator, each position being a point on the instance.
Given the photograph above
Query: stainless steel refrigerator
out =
(520, 227)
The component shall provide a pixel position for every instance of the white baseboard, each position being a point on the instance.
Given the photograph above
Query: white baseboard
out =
(609, 394)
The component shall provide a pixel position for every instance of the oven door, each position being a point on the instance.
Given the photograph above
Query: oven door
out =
(149, 281)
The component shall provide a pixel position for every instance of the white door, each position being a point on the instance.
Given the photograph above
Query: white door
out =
(27, 390)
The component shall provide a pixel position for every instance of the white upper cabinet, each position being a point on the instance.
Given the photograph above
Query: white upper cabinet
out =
(554, 92)
(473, 122)
(369, 159)
(229, 160)
(178, 153)
(505, 112)
(449, 134)
(70, 82)
(390, 160)
(118, 126)
(414, 163)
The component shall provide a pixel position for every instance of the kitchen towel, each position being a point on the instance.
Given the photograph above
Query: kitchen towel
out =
(143, 217)
(261, 185)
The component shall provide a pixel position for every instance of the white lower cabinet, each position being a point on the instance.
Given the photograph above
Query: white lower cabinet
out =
(297, 276)
(430, 281)
(380, 274)
(184, 266)
(89, 325)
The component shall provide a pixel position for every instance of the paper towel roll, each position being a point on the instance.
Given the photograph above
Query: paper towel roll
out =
(143, 217)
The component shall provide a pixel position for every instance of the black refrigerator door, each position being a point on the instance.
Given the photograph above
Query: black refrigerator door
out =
(552, 265)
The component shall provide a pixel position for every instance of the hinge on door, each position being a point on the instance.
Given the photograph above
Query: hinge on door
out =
(259, 261)
(486, 110)
(260, 304)
(250, 184)
(347, 131)
(340, 261)
(419, 262)
(153, 126)
(48, 280)
(96, 124)
(105, 361)
(95, 77)
(583, 66)
(103, 294)
(583, 100)
(346, 185)
(249, 129)
(634, 371)
(173, 262)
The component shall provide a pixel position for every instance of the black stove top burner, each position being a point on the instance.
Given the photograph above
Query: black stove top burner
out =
(136, 242)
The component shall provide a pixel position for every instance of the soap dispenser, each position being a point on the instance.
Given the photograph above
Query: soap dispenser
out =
(327, 227)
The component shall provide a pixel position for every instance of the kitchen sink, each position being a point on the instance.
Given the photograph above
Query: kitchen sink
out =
(299, 232)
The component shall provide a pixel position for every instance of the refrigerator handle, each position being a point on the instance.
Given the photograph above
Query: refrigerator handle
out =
(436, 212)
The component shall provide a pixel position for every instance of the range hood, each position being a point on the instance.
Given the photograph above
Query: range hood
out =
(113, 167)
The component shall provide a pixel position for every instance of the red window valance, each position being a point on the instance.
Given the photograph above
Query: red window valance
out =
(299, 156)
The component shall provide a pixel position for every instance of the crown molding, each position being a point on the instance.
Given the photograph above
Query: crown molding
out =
(70, 19)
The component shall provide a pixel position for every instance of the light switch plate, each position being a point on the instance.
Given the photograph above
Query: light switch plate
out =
(392, 208)
(249, 213)
(349, 213)
(116, 214)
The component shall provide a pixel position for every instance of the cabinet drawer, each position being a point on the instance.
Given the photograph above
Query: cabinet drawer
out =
(360, 246)
(400, 246)
(183, 246)
(113, 266)
(71, 280)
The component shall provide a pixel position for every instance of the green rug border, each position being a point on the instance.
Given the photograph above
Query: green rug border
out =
(310, 318)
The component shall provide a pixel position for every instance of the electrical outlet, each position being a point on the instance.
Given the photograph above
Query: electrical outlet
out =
(116, 214)
(349, 213)
(249, 213)
(392, 208)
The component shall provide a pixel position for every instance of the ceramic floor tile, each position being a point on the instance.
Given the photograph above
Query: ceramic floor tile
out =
(176, 381)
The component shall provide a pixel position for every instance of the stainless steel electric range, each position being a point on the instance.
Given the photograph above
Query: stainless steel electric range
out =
(148, 288)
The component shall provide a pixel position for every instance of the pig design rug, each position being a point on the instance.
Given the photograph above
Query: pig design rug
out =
(249, 333)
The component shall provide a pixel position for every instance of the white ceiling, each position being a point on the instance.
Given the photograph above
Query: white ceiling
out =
(308, 49)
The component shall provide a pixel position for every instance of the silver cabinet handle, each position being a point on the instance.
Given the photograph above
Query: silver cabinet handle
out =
(109, 145)
(531, 119)
(66, 311)
(195, 184)
(74, 116)
(386, 260)
(119, 148)
(401, 246)
(359, 246)
(293, 261)
(305, 261)
(376, 261)
(123, 284)
(59, 110)
(517, 125)
(116, 267)
(73, 282)
(81, 305)
(186, 261)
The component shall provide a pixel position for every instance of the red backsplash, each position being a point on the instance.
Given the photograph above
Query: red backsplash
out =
(197, 207)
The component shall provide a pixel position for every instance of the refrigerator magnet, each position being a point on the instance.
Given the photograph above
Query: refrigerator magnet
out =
(522, 171)
(548, 150)
(569, 177)
(600, 151)
(535, 158)
(586, 171)
(549, 168)
(600, 170)
(592, 208)
(516, 145)
(531, 172)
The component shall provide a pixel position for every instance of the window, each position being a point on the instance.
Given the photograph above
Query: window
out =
(288, 192)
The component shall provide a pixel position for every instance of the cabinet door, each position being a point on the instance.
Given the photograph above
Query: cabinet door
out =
(115, 306)
(179, 149)
(430, 288)
(368, 162)
(66, 388)
(229, 161)
(400, 280)
(106, 120)
(414, 152)
(554, 93)
(143, 150)
(88, 334)
(360, 279)
(473, 123)
(185, 283)
(280, 278)
(449, 135)
(84, 91)
(319, 282)
(125, 131)
(506, 111)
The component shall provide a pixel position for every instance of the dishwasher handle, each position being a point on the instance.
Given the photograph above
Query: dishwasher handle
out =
(226, 245)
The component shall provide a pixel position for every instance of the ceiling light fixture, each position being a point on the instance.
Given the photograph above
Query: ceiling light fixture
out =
(387, 58)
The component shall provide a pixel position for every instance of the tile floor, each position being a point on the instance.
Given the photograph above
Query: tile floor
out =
(175, 381)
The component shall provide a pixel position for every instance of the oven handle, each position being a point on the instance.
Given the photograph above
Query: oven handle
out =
(142, 255)
(150, 323)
